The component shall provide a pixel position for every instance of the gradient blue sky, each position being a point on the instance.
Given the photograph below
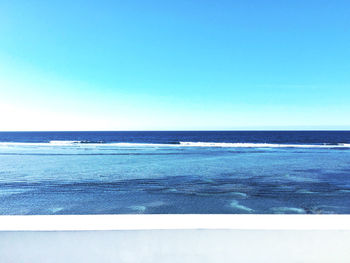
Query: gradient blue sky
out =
(174, 65)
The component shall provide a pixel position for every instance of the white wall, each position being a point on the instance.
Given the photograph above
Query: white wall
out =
(176, 246)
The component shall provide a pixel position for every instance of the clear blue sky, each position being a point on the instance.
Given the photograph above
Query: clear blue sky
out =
(174, 65)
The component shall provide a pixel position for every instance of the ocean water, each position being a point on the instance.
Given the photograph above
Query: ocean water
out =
(225, 172)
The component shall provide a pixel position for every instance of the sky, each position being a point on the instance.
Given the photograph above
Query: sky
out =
(174, 65)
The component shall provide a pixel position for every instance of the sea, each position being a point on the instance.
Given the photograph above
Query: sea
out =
(176, 172)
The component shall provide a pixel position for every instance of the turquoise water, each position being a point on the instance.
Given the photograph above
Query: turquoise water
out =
(69, 178)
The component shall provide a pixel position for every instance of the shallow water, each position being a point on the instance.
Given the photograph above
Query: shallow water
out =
(105, 178)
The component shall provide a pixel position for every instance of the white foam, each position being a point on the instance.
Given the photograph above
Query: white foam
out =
(138, 208)
(56, 209)
(239, 194)
(282, 210)
(236, 205)
(261, 145)
(64, 142)
(304, 191)
(181, 144)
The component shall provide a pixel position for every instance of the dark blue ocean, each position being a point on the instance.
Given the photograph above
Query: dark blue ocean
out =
(228, 172)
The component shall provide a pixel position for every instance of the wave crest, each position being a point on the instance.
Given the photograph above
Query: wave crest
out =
(179, 144)
(261, 145)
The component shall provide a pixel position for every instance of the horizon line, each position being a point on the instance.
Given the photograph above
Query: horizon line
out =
(199, 130)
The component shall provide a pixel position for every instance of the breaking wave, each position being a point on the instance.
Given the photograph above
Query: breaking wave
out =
(262, 145)
(177, 144)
